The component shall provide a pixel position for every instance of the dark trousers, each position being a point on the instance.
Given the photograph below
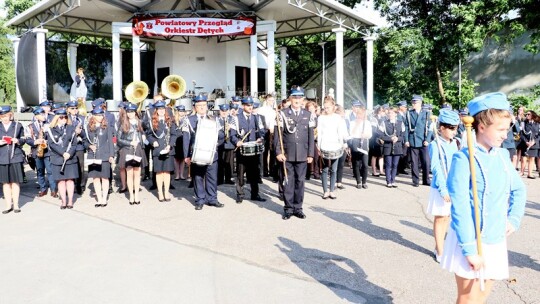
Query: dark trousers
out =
(420, 157)
(340, 165)
(269, 159)
(403, 161)
(293, 190)
(205, 183)
(148, 152)
(360, 166)
(225, 165)
(81, 181)
(390, 167)
(250, 166)
(44, 174)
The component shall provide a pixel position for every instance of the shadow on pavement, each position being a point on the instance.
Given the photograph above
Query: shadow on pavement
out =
(346, 282)
(365, 225)
(417, 227)
(522, 261)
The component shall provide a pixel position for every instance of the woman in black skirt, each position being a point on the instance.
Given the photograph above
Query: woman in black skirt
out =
(179, 163)
(375, 148)
(11, 159)
(130, 141)
(162, 136)
(65, 168)
(530, 135)
(99, 143)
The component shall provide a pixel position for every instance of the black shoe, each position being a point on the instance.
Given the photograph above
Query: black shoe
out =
(260, 180)
(258, 198)
(96, 205)
(358, 186)
(146, 177)
(79, 191)
(286, 216)
(340, 187)
(299, 214)
(218, 205)
(137, 203)
(239, 199)
(122, 190)
(426, 184)
(415, 184)
(167, 199)
(63, 207)
(220, 183)
(199, 207)
(161, 200)
(132, 203)
(190, 184)
(16, 210)
(172, 187)
(7, 211)
(153, 187)
(364, 186)
(110, 190)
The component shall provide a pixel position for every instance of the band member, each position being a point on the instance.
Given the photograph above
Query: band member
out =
(65, 169)
(417, 140)
(360, 135)
(130, 141)
(162, 136)
(375, 149)
(331, 137)
(250, 129)
(37, 140)
(204, 176)
(501, 201)
(391, 133)
(255, 111)
(510, 143)
(441, 151)
(269, 157)
(403, 164)
(295, 146)
(179, 163)
(111, 122)
(47, 110)
(100, 156)
(226, 149)
(341, 161)
(11, 158)
(77, 121)
(315, 167)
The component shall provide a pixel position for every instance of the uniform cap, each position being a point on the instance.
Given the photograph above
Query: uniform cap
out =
(5, 109)
(97, 111)
(449, 117)
(200, 97)
(484, 102)
(224, 107)
(72, 104)
(181, 108)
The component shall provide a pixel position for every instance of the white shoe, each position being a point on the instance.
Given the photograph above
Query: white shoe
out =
(437, 257)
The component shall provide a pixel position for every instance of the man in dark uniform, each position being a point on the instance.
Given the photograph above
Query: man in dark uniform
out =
(404, 159)
(204, 176)
(417, 140)
(294, 145)
(225, 150)
(250, 129)
(256, 106)
(78, 122)
(46, 106)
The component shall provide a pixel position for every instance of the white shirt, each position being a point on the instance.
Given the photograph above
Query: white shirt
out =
(356, 129)
(269, 117)
(331, 132)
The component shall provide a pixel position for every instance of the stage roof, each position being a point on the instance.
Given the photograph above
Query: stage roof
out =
(94, 17)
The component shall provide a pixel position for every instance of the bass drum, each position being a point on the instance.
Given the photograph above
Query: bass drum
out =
(205, 145)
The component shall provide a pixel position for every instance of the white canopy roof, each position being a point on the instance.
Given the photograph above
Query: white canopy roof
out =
(94, 17)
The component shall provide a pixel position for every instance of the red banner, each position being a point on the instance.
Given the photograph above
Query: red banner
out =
(194, 27)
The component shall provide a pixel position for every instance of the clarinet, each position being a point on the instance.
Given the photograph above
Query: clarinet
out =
(68, 147)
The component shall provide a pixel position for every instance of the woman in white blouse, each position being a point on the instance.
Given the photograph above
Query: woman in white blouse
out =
(360, 133)
(332, 133)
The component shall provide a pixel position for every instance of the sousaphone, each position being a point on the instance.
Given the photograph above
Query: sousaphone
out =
(173, 87)
(136, 92)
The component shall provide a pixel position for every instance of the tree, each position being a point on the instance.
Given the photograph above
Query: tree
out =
(527, 20)
(433, 37)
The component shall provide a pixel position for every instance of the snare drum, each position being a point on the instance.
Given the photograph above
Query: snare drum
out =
(332, 154)
(251, 148)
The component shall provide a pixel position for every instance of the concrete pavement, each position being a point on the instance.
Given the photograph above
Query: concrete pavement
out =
(367, 246)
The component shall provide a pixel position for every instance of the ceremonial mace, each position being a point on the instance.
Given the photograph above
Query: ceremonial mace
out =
(467, 121)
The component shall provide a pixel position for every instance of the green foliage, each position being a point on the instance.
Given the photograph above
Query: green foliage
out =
(451, 85)
(427, 39)
(7, 76)
(526, 20)
(15, 7)
(528, 99)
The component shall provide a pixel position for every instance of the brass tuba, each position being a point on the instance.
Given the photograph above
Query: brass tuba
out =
(173, 87)
(136, 92)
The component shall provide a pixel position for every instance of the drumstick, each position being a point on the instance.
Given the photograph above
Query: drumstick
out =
(243, 138)
(467, 120)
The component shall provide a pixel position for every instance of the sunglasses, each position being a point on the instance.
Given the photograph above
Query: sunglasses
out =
(452, 128)
(528, 114)
(62, 117)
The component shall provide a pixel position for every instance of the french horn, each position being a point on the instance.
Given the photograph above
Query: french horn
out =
(136, 92)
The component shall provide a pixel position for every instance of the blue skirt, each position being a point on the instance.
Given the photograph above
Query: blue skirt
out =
(71, 171)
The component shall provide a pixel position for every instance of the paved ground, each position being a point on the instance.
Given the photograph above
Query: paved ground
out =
(367, 246)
